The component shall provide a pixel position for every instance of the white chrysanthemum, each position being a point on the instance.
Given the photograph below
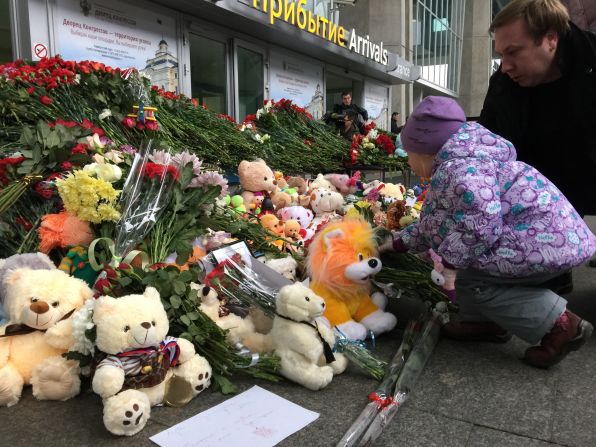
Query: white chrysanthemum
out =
(82, 321)
(182, 159)
(161, 158)
(211, 178)
(373, 134)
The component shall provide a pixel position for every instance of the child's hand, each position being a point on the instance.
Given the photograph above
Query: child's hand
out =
(387, 245)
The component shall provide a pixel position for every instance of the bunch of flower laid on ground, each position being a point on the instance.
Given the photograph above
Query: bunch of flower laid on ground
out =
(186, 320)
(374, 147)
(145, 196)
(89, 198)
(193, 196)
(297, 140)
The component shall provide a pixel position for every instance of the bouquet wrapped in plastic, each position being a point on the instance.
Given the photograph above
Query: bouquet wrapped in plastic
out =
(145, 195)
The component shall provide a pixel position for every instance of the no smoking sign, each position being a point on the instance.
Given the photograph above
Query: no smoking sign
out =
(40, 50)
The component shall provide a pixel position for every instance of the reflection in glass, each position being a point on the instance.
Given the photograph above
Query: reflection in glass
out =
(208, 72)
(250, 82)
(5, 37)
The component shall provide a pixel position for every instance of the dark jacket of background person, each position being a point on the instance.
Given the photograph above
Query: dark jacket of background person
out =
(350, 132)
(553, 126)
(395, 127)
(342, 109)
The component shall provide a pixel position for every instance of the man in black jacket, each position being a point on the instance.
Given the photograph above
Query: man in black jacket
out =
(543, 100)
(543, 97)
(339, 110)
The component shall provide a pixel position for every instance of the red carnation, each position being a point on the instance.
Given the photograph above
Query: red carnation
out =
(152, 125)
(79, 148)
(23, 223)
(45, 100)
(86, 124)
(66, 165)
(31, 90)
(129, 122)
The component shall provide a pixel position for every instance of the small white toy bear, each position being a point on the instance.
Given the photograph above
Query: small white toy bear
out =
(141, 359)
(303, 344)
(286, 267)
(240, 330)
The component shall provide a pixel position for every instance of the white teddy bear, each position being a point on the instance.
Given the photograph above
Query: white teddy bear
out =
(240, 330)
(300, 341)
(286, 266)
(39, 300)
(140, 360)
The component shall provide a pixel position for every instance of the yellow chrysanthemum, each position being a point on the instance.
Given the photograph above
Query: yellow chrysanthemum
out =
(88, 198)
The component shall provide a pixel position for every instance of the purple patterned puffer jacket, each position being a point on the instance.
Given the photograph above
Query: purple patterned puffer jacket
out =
(487, 211)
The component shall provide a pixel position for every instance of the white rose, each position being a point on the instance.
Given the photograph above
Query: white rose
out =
(108, 172)
(105, 113)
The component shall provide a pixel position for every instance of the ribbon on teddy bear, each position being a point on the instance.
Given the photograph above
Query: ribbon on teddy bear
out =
(327, 351)
(22, 329)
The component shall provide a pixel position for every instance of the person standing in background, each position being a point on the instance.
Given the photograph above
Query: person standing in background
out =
(395, 127)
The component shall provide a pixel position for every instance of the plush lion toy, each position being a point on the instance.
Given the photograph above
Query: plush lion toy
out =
(341, 261)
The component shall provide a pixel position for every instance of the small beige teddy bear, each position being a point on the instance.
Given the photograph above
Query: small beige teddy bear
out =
(302, 343)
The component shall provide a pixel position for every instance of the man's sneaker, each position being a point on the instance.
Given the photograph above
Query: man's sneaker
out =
(568, 334)
(475, 331)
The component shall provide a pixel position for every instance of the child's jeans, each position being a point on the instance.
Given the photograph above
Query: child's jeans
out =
(519, 305)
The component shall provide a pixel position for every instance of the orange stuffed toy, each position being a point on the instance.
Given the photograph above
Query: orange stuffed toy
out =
(275, 227)
(341, 261)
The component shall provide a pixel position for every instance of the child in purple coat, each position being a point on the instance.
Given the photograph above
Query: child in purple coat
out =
(503, 226)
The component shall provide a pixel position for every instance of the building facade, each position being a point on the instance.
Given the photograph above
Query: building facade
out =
(230, 55)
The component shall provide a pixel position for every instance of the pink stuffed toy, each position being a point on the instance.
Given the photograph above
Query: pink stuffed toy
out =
(443, 276)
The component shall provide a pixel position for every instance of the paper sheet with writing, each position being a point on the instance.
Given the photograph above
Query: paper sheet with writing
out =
(256, 418)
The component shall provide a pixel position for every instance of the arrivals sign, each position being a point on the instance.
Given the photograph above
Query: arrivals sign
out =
(112, 32)
(294, 13)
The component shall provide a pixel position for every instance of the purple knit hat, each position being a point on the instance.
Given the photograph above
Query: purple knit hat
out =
(431, 124)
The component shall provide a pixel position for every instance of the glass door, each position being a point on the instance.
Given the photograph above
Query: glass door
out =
(249, 76)
(5, 33)
(209, 72)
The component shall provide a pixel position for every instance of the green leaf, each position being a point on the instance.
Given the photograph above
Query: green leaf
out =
(52, 140)
(125, 281)
(186, 175)
(44, 129)
(223, 384)
(175, 301)
(193, 315)
(184, 250)
(27, 137)
(23, 94)
(179, 287)
(185, 320)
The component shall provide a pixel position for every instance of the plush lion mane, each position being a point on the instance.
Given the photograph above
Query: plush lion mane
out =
(327, 263)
